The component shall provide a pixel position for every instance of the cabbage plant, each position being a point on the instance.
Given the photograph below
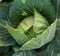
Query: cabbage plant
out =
(29, 28)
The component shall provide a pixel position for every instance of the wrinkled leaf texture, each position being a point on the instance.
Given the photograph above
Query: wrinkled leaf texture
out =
(54, 47)
(5, 37)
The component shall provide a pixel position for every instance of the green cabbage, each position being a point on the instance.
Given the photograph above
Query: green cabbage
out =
(29, 25)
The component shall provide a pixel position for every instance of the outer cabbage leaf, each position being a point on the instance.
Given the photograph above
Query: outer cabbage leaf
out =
(25, 53)
(5, 37)
(19, 36)
(16, 11)
(6, 51)
(43, 6)
(58, 9)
